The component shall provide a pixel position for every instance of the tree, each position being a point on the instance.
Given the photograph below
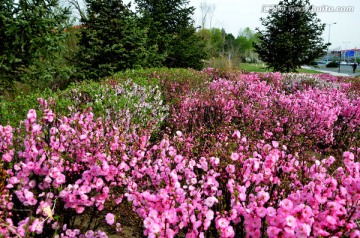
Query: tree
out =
(245, 40)
(110, 40)
(6, 17)
(207, 12)
(292, 37)
(31, 38)
(171, 30)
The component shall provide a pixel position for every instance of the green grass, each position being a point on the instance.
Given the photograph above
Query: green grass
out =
(262, 68)
(254, 67)
(309, 71)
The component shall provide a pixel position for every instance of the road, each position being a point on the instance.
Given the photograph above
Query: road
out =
(344, 70)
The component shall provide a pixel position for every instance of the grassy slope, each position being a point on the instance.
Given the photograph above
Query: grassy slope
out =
(262, 68)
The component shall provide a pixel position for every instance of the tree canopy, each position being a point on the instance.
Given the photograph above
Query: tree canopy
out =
(172, 31)
(110, 40)
(292, 36)
(222, 44)
(31, 38)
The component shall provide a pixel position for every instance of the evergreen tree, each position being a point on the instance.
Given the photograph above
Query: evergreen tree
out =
(110, 40)
(6, 16)
(292, 37)
(171, 29)
(31, 37)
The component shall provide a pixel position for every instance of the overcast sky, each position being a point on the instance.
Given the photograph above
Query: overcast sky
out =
(234, 15)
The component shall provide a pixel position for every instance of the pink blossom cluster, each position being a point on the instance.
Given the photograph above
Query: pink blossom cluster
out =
(326, 117)
(60, 163)
(245, 158)
(260, 192)
(6, 133)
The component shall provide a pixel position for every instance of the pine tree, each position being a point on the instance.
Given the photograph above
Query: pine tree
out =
(110, 40)
(172, 31)
(6, 16)
(292, 37)
(31, 37)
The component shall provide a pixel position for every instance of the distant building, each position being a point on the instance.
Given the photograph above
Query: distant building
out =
(350, 55)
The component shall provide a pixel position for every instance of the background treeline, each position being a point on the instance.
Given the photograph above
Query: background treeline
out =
(43, 46)
(226, 50)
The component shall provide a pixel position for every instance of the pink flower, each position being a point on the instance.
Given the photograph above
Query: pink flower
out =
(275, 144)
(272, 231)
(31, 116)
(355, 233)
(209, 215)
(289, 232)
(306, 212)
(99, 183)
(271, 211)
(230, 168)
(83, 137)
(154, 228)
(303, 230)
(290, 221)
(234, 156)
(261, 211)
(21, 231)
(348, 155)
(331, 220)
(28, 194)
(79, 209)
(60, 179)
(36, 128)
(228, 232)
(14, 180)
(210, 201)
(49, 115)
(320, 198)
(222, 223)
(37, 226)
(236, 134)
(110, 218)
(7, 157)
(286, 204)
(263, 196)
(170, 215)
(147, 222)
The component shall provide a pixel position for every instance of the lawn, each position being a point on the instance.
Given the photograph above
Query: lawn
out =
(262, 68)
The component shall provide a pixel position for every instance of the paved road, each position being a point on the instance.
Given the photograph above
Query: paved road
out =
(344, 70)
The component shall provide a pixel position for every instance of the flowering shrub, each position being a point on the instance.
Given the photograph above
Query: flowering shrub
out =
(244, 157)
(116, 100)
(135, 105)
(308, 119)
(61, 163)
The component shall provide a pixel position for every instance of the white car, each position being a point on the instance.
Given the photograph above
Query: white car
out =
(343, 63)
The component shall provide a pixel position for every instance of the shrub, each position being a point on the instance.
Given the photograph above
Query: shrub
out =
(261, 155)
(332, 64)
(107, 99)
(172, 82)
(66, 167)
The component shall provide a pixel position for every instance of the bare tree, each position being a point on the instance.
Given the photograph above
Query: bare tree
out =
(207, 12)
(78, 5)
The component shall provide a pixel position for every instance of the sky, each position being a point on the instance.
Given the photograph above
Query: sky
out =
(235, 15)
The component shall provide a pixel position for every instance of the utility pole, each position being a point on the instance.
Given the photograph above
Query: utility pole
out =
(327, 58)
(339, 60)
(345, 49)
